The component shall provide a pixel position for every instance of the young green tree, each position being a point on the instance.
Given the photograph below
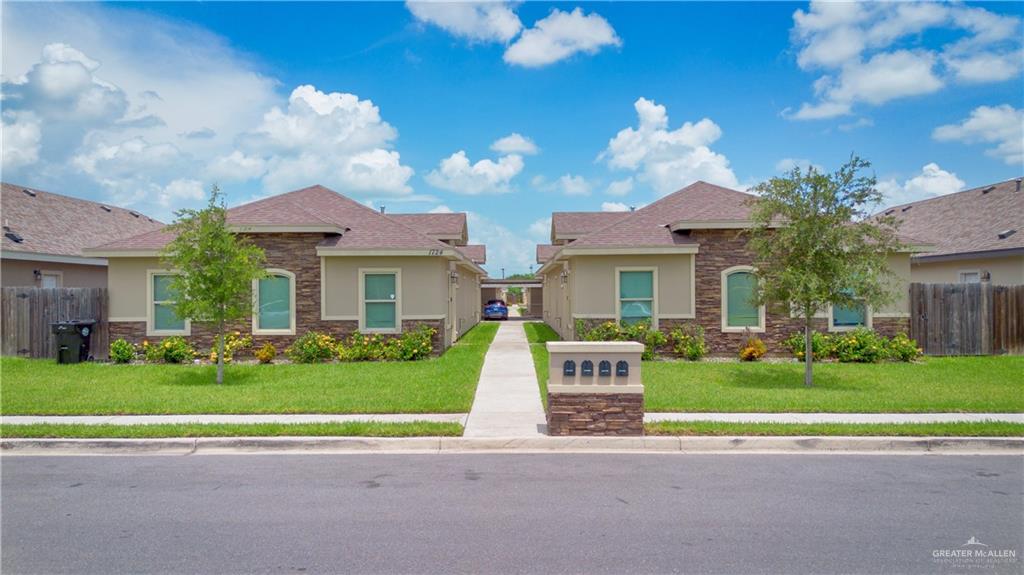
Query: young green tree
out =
(215, 269)
(816, 246)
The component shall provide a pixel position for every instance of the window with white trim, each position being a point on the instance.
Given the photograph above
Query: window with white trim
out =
(849, 316)
(739, 308)
(380, 301)
(636, 296)
(274, 303)
(164, 318)
(970, 277)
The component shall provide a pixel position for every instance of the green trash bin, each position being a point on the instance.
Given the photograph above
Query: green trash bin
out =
(73, 339)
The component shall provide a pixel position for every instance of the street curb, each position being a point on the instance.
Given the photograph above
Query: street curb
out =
(648, 444)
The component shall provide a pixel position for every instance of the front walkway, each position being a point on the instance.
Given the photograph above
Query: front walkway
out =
(507, 402)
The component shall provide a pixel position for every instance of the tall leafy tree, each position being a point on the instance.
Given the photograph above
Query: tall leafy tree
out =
(215, 269)
(816, 246)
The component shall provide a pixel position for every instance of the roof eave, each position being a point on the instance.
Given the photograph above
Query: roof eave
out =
(1000, 253)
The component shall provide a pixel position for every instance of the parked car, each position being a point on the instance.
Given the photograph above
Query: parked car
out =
(495, 309)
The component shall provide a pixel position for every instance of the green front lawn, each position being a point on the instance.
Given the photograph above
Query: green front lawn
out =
(438, 385)
(348, 429)
(935, 384)
(538, 334)
(981, 429)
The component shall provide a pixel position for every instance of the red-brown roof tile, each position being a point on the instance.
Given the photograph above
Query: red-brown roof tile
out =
(966, 222)
(54, 224)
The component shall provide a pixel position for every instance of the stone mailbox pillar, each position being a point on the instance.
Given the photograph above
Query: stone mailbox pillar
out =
(594, 388)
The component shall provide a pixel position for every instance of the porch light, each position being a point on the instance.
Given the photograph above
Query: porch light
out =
(454, 277)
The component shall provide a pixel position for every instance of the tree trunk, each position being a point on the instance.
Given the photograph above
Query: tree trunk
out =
(808, 351)
(220, 355)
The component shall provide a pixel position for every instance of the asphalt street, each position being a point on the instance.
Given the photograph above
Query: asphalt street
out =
(512, 513)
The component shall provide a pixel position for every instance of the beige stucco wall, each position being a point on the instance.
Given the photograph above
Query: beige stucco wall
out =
(1004, 271)
(900, 305)
(21, 273)
(424, 285)
(594, 286)
(467, 301)
(126, 283)
(557, 307)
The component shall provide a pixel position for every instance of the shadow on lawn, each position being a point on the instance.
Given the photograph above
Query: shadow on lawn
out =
(205, 376)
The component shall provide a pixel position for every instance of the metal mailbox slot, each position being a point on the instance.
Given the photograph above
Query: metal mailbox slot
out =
(569, 367)
(622, 368)
(588, 367)
(604, 368)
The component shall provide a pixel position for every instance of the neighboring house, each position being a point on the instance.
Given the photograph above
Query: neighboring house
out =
(335, 266)
(978, 235)
(44, 234)
(680, 260)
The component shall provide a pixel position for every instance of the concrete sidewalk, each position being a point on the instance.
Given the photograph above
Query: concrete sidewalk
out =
(507, 402)
(239, 419)
(836, 417)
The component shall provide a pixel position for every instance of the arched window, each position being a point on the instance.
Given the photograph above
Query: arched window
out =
(274, 303)
(739, 310)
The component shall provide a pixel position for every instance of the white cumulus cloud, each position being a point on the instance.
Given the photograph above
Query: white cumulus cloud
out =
(457, 174)
(614, 207)
(931, 182)
(515, 143)
(477, 21)
(559, 36)
(669, 159)
(620, 187)
(335, 138)
(19, 139)
(1000, 125)
(872, 53)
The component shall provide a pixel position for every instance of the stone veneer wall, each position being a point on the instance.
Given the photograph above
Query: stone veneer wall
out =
(595, 414)
(295, 252)
(722, 249)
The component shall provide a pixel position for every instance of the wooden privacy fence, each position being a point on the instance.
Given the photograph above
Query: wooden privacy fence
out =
(27, 312)
(967, 319)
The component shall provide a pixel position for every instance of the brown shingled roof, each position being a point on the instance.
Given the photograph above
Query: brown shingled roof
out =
(364, 227)
(576, 224)
(648, 226)
(545, 251)
(54, 224)
(966, 222)
(449, 225)
(477, 253)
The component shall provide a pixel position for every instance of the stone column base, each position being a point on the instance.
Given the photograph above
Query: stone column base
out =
(595, 414)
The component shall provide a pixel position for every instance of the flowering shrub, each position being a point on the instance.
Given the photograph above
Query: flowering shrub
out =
(312, 347)
(610, 331)
(902, 348)
(410, 346)
(861, 345)
(753, 349)
(175, 349)
(233, 342)
(688, 341)
(121, 351)
(266, 353)
(822, 345)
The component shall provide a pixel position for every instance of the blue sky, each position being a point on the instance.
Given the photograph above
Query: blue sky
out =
(412, 106)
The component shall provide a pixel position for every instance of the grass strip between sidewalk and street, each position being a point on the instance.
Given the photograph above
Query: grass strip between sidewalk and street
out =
(444, 384)
(163, 430)
(538, 334)
(959, 429)
(993, 384)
